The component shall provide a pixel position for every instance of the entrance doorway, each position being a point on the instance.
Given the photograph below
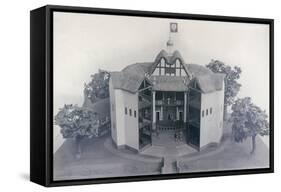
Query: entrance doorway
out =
(169, 114)
(181, 116)
(157, 115)
(170, 117)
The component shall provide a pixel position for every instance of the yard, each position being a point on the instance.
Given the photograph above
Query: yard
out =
(98, 160)
(229, 156)
(233, 156)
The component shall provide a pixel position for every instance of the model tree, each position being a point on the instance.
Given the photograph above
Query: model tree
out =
(98, 87)
(248, 120)
(232, 87)
(77, 123)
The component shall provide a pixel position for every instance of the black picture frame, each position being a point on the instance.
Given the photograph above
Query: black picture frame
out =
(41, 94)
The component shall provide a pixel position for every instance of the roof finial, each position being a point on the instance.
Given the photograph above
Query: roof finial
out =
(170, 43)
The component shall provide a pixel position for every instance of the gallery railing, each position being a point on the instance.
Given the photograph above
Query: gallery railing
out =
(144, 122)
(169, 102)
(145, 97)
(195, 122)
(164, 125)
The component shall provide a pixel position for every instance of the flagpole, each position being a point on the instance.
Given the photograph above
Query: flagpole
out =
(170, 42)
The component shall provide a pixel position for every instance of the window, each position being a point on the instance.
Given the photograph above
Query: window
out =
(130, 112)
(112, 107)
(206, 112)
(162, 71)
(162, 62)
(180, 116)
(135, 113)
(126, 111)
(178, 63)
(211, 110)
(177, 72)
(202, 113)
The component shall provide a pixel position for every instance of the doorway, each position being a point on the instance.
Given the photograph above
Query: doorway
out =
(157, 115)
(170, 114)
(181, 116)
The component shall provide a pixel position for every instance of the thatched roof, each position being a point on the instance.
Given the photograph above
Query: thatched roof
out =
(131, 77)
(210, 83)
(138, 69)
(163, 54)
(198, 70)
(126, 81)
(169, 83)
(169, 58)
(176, 55)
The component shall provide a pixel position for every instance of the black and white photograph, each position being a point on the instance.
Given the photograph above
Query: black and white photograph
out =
(141, 96)
(102, 96)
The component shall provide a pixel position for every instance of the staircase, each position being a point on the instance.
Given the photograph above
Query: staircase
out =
(169, 165)
(170, 161)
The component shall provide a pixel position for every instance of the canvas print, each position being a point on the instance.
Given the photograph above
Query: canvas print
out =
(150, 96)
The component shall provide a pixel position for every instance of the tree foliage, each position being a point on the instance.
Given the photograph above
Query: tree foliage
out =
(232, 87)
(77, 122)
(248, 120)
(98, 87)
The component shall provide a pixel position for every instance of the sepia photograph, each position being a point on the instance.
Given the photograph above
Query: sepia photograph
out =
(142, 96)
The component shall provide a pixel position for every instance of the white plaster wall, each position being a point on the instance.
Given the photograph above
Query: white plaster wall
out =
(112, 112)
(211, 127)
(156, 72)
(120, 117)
(131, 122)
(126, 126)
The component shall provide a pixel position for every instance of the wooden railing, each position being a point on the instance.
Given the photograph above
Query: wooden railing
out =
(146, 97)
(168, 102)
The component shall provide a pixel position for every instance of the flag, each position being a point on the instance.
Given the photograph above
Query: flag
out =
(173, 27)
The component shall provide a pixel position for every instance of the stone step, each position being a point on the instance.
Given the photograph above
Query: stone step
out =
(169, 166)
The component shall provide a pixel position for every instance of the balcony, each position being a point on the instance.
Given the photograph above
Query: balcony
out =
(143, 97)
(195, 122)
(144, 123)
(169, 102)
(195, 102)
(144, 104)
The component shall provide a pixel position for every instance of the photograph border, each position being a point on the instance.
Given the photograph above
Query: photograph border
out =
(41, 99)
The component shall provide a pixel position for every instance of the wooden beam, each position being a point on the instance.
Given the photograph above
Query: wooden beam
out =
(144, 88)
